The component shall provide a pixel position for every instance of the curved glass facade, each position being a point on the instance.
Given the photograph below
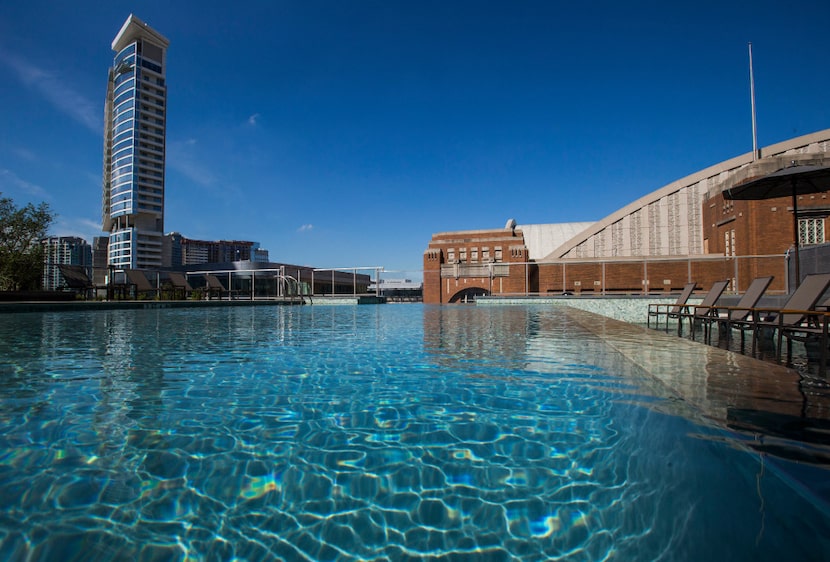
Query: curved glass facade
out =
(135, 147)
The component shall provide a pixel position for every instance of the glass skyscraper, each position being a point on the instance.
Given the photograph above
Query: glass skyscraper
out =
(134, 147)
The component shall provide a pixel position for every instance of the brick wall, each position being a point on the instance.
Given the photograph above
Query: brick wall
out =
(760, 228)
(475, 250)
(732, 230)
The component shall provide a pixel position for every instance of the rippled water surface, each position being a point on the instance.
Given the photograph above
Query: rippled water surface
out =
(369, 433)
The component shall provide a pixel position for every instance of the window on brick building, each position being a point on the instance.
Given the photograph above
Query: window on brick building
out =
(474, 255)
(462, 255)
(451, 255)
(485, 254)
(498, 253)
(811, 231)
(729, 242)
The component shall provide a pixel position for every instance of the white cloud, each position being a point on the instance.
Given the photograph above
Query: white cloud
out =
(25, 154)
(9, 181)
(81, 227)
(305, 228)
(253, 119)
(182, 158)
(57, 92)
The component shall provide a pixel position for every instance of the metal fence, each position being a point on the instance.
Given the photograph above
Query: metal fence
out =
(651, 275)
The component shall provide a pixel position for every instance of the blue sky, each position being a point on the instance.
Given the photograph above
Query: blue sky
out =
(346, 133)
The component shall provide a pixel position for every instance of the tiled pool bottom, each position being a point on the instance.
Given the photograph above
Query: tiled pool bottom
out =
(393, 433)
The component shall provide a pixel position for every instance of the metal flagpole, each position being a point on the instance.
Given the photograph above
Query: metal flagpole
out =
(752, 101)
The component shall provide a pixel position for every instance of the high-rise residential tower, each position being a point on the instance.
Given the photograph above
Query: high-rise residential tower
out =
(134, 147)
(63, 250)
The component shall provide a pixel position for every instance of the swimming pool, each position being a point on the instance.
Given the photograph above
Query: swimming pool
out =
(397, 432)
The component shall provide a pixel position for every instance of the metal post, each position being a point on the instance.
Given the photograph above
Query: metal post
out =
(603, 279)
(752, 104)
(354, 282)
(110, 282)
(795, 236)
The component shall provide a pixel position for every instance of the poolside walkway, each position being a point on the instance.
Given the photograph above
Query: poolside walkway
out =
(776, 409)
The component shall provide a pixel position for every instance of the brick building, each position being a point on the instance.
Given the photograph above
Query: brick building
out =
(685, 231)
(461, 265)
(751, 228)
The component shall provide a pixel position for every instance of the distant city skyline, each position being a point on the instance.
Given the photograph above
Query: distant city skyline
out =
(347, 134)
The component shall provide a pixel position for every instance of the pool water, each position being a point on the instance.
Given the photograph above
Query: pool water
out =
(396, 432)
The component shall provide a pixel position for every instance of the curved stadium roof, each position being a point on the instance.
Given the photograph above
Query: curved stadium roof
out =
(667, 222)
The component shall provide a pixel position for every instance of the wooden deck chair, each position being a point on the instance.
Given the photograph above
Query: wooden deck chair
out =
(701, 311)
(797, 318)
(670, 310)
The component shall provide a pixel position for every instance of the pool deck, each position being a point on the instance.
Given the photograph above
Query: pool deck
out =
(772, 408)
(628, 308)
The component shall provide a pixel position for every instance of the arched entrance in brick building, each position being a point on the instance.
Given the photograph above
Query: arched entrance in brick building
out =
(469, 294)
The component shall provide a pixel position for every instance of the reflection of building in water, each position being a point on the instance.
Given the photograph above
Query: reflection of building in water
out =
(774, 409)
(398, 290)
(133, 362)
(108, 364)
(758, 398)
(459, 333)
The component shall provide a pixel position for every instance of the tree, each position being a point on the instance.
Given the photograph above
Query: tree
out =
(21, 253)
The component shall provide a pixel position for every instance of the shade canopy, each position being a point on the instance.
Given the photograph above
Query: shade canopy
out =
(786, 182)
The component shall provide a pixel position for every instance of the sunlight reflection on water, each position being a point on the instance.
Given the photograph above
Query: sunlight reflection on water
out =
(375, 432)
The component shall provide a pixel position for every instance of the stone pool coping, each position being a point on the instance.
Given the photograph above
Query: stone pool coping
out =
(775, 408)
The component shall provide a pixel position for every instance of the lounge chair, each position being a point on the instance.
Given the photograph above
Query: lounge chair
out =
(139, 281)
(814, 327)
(214, 285)
(178, 282)
(702, 311)
(670, 310)
(798, 318)
(75, 278)
(739, 312)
